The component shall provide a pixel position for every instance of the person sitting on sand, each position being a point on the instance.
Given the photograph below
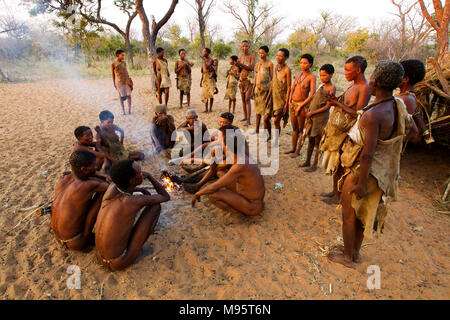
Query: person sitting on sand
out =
(121, 80)
(261, 88)
(183, 70)
(371, 158)
(110, 140)
(217, 162)
(161, 70)
(232, 83)
(161, 129)
(189, 127)
(318, 113)
(78, 196)
(242, 188)
(86, 142)
(414, 73)
(342, 118)
(302, 92)
(125, 220)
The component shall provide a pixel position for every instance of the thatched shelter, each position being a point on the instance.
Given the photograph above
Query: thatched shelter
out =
(433, 98)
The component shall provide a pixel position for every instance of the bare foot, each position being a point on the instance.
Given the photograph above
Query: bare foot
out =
(290, 151)
(312, 169)
(340, 258)
(295, 155)
(328, 195)
(305, 164)
(333, 200)
(245, 119)
(356, 256)
(191, 187)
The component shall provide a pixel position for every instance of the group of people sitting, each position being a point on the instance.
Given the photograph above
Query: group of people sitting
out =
(100, 202)
(361, 145)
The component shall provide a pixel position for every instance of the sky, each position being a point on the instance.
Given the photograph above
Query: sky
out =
(364, 11)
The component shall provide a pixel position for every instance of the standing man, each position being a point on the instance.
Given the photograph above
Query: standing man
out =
(247, 64)
(342, 119)
(261, 89)
(121, 80)
(184, 77)
(161, 69)
(371, 158)
(208, 82)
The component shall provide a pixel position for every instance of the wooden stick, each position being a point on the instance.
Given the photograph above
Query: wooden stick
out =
(440, 75)
(437, 90)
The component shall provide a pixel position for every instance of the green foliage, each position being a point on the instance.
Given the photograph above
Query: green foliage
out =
(357, 41)
(221, 50)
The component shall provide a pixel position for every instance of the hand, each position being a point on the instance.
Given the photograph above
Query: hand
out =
(359, 190)
(146, 175)
(195, 198)
(309, 115)
(332, 100)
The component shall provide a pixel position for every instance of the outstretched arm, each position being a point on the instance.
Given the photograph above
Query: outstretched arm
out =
(231, 176)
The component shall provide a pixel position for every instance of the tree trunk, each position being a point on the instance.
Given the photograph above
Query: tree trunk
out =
(150, 38)
(129, 50)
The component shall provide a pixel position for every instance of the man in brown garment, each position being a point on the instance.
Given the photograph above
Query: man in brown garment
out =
(121, 80)
(246, 63)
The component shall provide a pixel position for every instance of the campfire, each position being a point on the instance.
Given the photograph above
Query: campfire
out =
(167, 182)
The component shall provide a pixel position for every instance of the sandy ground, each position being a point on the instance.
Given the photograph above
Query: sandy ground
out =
(204, 253)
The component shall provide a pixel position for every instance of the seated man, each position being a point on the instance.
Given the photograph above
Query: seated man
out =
(113, 147)
(86, 142)
(194, 182)
(241, 189)
(225, 118)
(120, 232)
(188, 128)
(78, 196)
(161, 129)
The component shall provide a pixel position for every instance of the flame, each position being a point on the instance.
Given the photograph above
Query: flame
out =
(168, 184)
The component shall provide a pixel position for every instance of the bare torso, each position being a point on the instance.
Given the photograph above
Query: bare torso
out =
(250, 183)
(302, 87)
(248, 60)
(114, 224)
(70, 206)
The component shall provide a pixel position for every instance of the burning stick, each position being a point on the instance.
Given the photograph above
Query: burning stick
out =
(167, 182)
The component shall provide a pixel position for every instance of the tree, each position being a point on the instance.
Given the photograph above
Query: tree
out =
(334, 28)
(254, 18)
(413, 31)
(150, 37)
(221, 50)
(303, 39)
(203, 9)
(90, 10)
(439, 21)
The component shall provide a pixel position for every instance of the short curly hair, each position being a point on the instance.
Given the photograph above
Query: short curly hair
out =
(414, 70)
(79, 159)
(388, 74)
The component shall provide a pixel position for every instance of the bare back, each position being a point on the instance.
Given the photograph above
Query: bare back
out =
(115, 222)
(249, 182)
(71, 203)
